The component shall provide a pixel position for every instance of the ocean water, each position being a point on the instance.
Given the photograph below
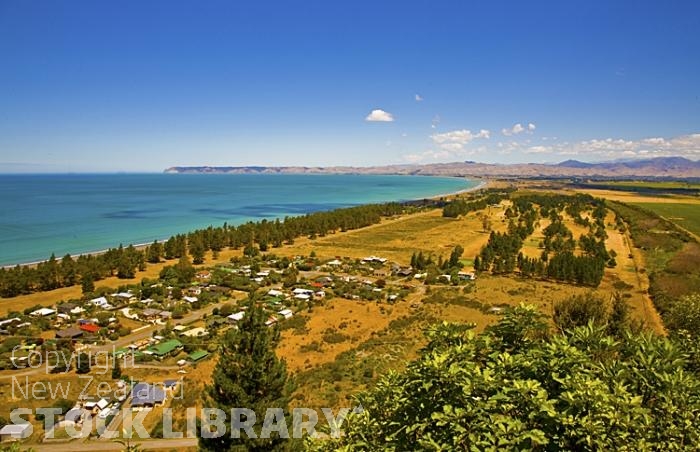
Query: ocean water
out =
(44, 214)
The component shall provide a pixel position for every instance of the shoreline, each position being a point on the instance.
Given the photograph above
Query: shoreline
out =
(140, 246)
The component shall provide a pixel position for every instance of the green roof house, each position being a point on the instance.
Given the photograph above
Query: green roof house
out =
(198, 355)
(167, 348)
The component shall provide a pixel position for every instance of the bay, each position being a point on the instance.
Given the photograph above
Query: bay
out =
(78, 213)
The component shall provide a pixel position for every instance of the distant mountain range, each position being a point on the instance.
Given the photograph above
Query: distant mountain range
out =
(665, 167)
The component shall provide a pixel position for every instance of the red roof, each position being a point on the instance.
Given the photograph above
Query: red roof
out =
(90, 327)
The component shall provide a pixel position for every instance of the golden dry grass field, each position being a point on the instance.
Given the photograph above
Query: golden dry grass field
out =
(375, 337)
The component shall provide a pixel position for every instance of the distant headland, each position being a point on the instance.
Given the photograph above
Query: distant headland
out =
(659, 167)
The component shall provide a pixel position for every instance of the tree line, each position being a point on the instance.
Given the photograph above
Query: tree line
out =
(458, 207)
(124, 262)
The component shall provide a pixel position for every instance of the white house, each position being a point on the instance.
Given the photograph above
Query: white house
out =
(190, 299)
(126, 296)
(376, 259)
(237, 317)
(334, 262)
(8, 321)
(43, 312)
(275, 293)
(302, 296)
(15, 432)
(286, 313)
(300, 291)
(195, 332)
(101, 302)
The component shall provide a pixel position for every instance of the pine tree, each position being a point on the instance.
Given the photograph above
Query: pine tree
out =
(117, 369)
(83, 365)
(88, 284)
(248, 375)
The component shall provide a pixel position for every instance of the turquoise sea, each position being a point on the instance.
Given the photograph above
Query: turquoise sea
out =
(69, 213)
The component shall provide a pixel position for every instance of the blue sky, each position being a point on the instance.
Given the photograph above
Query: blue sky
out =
(140, 86)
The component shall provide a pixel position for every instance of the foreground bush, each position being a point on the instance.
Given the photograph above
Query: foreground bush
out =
(519, 387)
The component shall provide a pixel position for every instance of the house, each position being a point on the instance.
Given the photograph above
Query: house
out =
(146, 395)
(405, 271)
(468, 276)
(14, 432)
(9, 321)
(275, 293)
(302, 296)
(165, 349)
(320, 294)
(237, 317)
(271, 321)
(90, 328)
(43, 312)
(334, 263)
(198, 355)
(170, 385)
(150, 314)
(190, 299)
(203, 275)
(286, 313)
(300, 291)
(96, 407)
(123, 296)
(374, 259)
(194, 291)
(101, 302)
(195, 332)
(69, 333)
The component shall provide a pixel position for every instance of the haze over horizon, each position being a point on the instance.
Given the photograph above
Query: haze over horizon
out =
(89, 87)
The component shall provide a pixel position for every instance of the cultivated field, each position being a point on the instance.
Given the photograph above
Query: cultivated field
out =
(686, 216)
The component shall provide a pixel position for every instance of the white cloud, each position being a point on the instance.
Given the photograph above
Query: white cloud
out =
(456, 139)
(611, 148)
(456, 144)
(427, 155)
(539, 150)
(419, 98)
(435, 122)
(518, 129)
(379, 115)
